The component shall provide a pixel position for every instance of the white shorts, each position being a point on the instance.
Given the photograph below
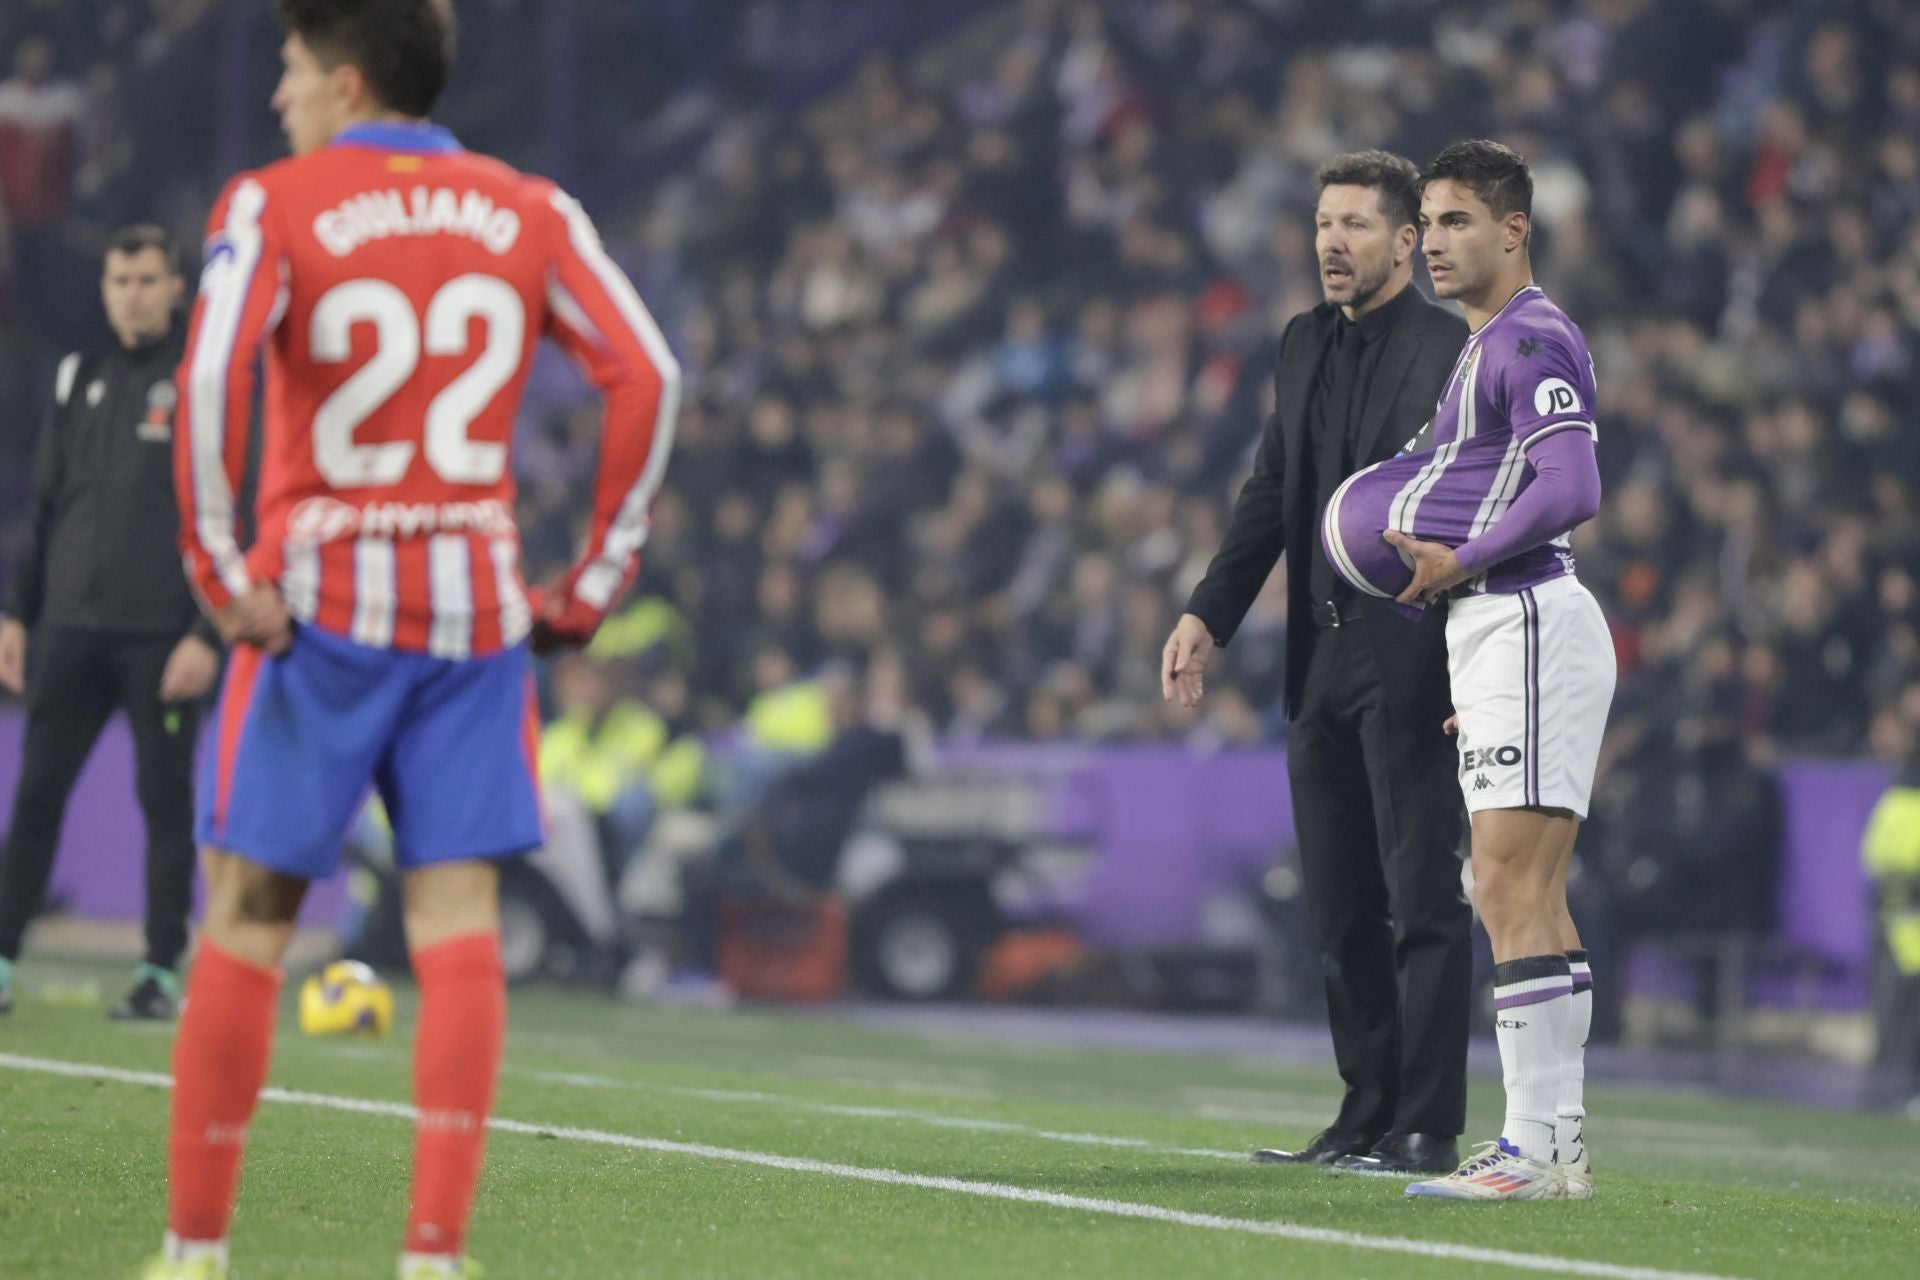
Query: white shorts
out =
(1532, 678)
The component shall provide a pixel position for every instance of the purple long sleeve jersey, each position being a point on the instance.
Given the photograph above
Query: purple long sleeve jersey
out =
(1504, 471)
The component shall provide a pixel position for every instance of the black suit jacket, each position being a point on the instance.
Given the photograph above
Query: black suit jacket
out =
(1275, 510)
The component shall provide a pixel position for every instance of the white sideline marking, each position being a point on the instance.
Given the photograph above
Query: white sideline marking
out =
(973, 1124)
(891, 1177)
(584, 1080)
(1653, 1137)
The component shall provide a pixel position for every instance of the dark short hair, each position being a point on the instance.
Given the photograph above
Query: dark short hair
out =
(1496, 174)
(404, 48)
(1394, 177)
(142, 236)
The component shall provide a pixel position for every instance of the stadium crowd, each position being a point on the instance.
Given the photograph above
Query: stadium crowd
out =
(978, 350)
(978, 356)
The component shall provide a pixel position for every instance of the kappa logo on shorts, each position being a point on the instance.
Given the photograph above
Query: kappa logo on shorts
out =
(1488, 757)
(1480, 782)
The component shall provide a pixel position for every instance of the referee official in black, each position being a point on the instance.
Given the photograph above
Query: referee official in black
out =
(113, 624)
(1376, 805)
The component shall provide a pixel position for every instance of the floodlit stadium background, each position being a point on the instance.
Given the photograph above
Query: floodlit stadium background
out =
(976, 303)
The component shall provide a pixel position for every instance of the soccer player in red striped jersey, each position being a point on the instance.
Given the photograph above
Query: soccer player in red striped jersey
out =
(396, 286)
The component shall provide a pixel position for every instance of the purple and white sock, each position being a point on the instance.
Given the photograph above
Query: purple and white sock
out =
(1571, 1113)
(1532, 1000)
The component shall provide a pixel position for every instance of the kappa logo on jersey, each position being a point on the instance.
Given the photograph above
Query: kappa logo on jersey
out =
(1488, 757)
(1555, 395)
(1529, 347)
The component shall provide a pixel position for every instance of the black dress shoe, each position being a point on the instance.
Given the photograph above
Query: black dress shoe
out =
(152, 999)
(1402, 1154)
(1327, 1146)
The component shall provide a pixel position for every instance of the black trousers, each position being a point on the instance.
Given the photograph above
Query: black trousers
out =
(1377, 808)
(1896, 1019)
(76, 679)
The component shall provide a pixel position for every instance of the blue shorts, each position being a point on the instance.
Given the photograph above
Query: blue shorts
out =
(449, 745)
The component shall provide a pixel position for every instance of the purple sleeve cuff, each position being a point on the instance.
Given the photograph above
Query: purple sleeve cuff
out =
(1565, 493)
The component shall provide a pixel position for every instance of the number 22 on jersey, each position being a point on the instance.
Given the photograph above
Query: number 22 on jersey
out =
(401, 339)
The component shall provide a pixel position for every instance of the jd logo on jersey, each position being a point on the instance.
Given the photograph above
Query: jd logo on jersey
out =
(1555, 395)
(1488, 757)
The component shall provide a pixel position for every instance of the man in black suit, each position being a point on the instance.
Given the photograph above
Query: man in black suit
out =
(1376, 805)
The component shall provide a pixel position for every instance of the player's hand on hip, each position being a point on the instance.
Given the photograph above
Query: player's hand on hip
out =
(560, 621)
(13, 655)
(1183, 663)
(1452, 725)
(1436, 570)
(258, 617)
(190, 670)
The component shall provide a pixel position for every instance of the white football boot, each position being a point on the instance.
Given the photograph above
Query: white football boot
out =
(1495, 1171)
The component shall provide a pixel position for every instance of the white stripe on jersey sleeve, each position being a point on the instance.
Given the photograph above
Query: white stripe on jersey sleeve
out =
(571, 313)
(1541, 433)
(376, 591)
(450, 581)
(628, 532)
(224, 285)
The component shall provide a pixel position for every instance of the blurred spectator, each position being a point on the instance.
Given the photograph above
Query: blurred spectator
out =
(787, 845)
(623, 759)
(1891, 853)
(40, 141)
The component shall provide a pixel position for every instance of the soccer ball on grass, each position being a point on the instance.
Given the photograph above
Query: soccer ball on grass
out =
(346, 998)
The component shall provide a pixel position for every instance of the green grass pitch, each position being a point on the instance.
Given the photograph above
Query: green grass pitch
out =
(664, 1143)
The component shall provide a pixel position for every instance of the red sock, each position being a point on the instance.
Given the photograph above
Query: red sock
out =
(456, 1062)
(219, 1063)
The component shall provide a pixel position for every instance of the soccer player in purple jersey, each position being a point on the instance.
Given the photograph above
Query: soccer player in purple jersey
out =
(1478, 510)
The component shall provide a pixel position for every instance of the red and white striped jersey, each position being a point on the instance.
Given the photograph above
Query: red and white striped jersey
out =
(397, 286)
